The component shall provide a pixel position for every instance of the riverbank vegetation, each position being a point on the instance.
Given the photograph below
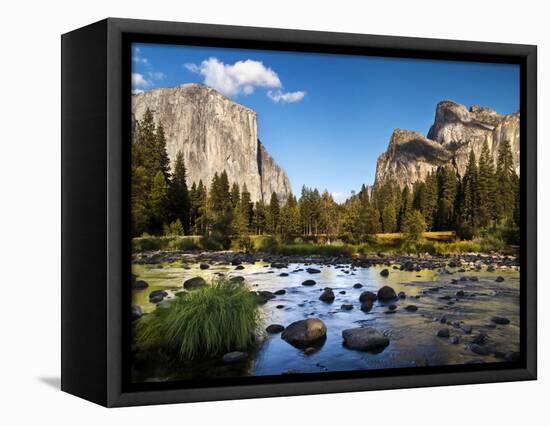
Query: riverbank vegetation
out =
(216, 318)
(481, 209)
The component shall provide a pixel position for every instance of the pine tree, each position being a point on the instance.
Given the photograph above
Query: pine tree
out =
(220, 212)
(328, 210)
(179, 194)
(371, 220)
(486, 187)
(139, 201)
(406, 206)
(201, 219)
(389, 218)
(159, 202)
(235, 195)
(193, 206)
(447, 184)
(470, 200)
(274, 216)
(259, 218)
(414, 225)
(505, 185)
(247, 206)
(161, 154)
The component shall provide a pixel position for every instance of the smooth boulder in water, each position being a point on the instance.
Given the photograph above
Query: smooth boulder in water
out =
(500, 320)
(140, 285)
(156, 296)
(367, 296)
(366, 306)
(313, 270)
(304, 333)
(274, 328)
(443, 332)
(386, 293)
(204, 266)
(136, 312)
(235, 357)
(309, 283)
(194, 283)
(364, 339)
(327, 296)
(385, 272)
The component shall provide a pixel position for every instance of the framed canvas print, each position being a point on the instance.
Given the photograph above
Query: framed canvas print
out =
(252, 212)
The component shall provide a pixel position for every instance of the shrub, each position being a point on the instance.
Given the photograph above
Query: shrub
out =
(492, 243)
(414, 225)
(211, 243)
(313, 249)
(267, 244)
(174, 229)
(164, 243)
(206, 322)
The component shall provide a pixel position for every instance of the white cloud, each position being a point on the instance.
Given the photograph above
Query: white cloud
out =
(286, 97)
(136, 91)
(339, 197)
(237, 78)
(156, 75)
(194, 68)
(136, 57)
(139, 81)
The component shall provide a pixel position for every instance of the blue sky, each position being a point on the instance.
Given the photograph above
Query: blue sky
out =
(326, 118)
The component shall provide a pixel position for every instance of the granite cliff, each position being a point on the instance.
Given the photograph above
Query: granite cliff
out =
(214, 134)
(456, 130)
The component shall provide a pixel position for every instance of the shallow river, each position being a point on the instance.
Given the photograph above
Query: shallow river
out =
(413, 335)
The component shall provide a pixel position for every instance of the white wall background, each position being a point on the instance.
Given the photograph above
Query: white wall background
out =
(30, 210)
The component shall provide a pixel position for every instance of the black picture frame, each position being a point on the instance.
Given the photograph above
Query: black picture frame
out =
(95, 209)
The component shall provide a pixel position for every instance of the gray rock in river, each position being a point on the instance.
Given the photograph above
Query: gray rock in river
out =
(346, 307)
(309, 282)
(313, 270)
(235, 357)
(367, 295)
(280, 292)
(411, 308)
(136, 312)
(204, 266)
(306, 332)
(478, 349)
(195, 282)
(157, 296)
(500, 320)
(443, 332)
(327, 296)
(357, 285)
(384, 272)
(274, 328)
(386, 293)
(364, 339)
(140, 285)
(366, 306)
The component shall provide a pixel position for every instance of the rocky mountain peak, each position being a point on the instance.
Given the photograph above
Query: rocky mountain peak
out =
(455, 132)
(215, 134)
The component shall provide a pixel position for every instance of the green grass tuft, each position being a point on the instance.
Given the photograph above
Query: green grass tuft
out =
(206, 322)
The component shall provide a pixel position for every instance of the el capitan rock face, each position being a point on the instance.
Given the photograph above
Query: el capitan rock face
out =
(456, 130)
(214, 134)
